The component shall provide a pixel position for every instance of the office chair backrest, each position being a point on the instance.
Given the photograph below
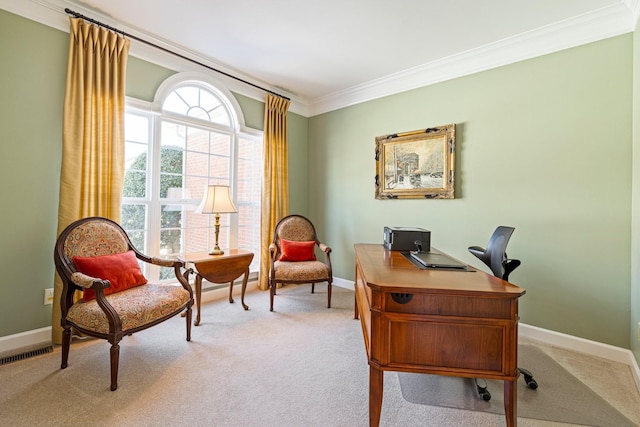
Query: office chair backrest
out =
(495, 256)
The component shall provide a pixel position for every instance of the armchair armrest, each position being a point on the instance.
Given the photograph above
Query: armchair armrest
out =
(165, 262)
(86, 281)
(324, 248)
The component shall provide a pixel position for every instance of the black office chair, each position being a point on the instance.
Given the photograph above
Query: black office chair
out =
(495, 257)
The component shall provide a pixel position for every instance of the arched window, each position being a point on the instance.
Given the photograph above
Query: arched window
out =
(193, 135)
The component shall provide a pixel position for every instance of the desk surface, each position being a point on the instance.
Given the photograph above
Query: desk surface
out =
(444, 322)
(390, 271)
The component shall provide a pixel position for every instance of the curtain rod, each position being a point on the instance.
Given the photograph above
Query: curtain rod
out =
(93, 21)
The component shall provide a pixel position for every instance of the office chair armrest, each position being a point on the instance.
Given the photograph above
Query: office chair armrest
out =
(510, 265)
(476, 250)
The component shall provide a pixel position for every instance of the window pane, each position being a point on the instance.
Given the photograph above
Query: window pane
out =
(138, 240)
(136, 155)
(190, 95)
(197, 139)
(173, 135)
(169, 181)
(137, 129)
(199, 103)
(197, 164)
(170, 242)
(220, 144)
(171, 217)
(175, 104)
(171, 159)
(167, 273)
(133, 220)
(135, 184)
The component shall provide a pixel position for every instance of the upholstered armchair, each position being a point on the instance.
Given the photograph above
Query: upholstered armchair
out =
(95, 255)
(292, 256)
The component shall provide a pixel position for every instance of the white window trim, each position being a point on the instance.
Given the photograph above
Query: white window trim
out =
(154, 109)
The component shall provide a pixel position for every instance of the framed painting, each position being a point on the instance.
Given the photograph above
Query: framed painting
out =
(417, 164)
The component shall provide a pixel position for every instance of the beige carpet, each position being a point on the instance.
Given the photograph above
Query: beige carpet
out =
(302, 365)
(561, 396)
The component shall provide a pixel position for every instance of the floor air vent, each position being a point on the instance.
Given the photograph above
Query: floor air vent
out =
(26, 354)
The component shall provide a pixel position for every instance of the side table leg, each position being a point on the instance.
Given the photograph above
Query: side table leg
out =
(244, 288)
(198, 297)
(231, 292)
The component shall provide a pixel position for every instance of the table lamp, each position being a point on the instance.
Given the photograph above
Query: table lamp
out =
(216, 200)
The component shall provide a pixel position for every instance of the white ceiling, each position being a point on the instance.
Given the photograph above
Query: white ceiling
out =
(325, 54)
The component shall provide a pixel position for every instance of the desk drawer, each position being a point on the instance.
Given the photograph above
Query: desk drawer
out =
(460, 345)
(450, 305)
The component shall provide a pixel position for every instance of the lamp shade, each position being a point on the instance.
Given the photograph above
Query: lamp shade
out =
(216, 199)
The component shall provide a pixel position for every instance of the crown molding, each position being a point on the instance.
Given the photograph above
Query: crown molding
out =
(600, 24)
(634, 7)
(590, 27)
(52, 14)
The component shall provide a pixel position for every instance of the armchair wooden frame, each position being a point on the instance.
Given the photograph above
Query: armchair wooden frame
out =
(299, 228)
(72, 280)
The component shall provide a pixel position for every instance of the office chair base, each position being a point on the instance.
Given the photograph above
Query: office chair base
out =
(481, 386)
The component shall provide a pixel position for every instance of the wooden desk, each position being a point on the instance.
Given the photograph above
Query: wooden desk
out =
(219, 269)
(456, 323)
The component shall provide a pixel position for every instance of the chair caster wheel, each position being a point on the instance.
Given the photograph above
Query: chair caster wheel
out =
(482, 390)
(528, 379)
(531, 383)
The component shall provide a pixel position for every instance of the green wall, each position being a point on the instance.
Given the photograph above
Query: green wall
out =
(33, 61)
(635, 230)
(543, 145)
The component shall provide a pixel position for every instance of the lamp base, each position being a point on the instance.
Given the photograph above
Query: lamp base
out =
(216, 249)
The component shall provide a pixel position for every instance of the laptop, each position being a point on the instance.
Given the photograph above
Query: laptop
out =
(434, 260)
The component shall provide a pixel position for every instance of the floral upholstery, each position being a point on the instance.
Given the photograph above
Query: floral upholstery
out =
(296, 228)
(136, 307)
(300, 271)
(93, 239)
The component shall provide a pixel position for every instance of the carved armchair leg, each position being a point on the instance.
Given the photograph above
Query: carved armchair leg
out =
(329, 295)
(313, 288)
(66, 343)
(272, 292)
(188, 316)
(114, 355)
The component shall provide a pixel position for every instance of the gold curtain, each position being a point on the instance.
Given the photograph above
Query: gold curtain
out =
(92, 132)
(275, 187)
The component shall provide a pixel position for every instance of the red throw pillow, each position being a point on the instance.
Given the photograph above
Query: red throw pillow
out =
(297, 251)
(122, 270)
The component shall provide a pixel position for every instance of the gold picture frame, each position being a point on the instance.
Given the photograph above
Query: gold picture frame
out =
(417, 164)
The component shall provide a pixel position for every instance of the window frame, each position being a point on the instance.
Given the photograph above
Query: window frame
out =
(156, 116)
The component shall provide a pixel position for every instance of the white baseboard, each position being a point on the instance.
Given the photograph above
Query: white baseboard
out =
(342, 283)
(13, 343)
(581, 345)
